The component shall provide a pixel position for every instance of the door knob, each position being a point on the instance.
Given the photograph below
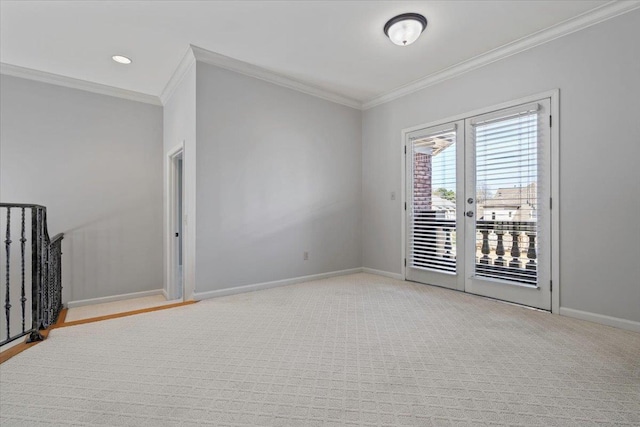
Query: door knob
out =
(469, 214)
(470, 200)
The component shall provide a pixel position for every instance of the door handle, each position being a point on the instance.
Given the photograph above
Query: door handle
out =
(469, 214)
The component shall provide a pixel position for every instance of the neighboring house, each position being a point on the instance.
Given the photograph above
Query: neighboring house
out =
(510, 204)
(446, 208)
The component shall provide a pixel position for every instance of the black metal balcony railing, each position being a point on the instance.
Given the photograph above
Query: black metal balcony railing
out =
(504, 249)
(44, 272)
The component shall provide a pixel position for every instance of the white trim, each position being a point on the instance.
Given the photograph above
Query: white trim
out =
(187, 61)
(70, 82)
(484, 110)
(403, 201)
(198, 296)
(555, 196)
(577, 23)
(102, 300)
(189, 227)
(166, 295)
(257, 72)
(616, 322)
(396, 276)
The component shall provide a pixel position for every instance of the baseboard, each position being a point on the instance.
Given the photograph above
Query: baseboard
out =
(396, 276)
(617, 322)
(198, 296)
(102, 300)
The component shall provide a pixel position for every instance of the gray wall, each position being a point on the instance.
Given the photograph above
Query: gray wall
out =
(278, 173)
(598, 73)
(95, 162)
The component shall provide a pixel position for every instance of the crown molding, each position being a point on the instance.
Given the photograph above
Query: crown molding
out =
(257, 72)
(70, 82)
(184, 66)
(587, 19)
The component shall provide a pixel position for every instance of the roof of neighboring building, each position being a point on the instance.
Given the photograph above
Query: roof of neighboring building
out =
(513, 197)
(440, 204)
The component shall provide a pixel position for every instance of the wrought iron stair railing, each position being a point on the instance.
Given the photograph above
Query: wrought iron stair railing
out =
(38, 282)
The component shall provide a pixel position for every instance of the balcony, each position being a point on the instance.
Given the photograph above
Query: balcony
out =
(505, 250)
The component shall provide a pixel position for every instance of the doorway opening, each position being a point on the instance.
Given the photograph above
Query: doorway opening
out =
(176, 206)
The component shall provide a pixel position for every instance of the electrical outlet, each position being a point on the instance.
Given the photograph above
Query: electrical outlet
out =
(305, 256)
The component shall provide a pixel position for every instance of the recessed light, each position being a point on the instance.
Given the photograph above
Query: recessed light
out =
(121, 59)
(405, 29)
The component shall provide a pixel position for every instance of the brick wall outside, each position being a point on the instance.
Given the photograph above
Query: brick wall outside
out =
(422, 182)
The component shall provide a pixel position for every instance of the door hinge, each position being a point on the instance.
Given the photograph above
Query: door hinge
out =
(405, 206)
(550, 120)
(405, 262)
(550, 285)
(405, 149)
(550, 202)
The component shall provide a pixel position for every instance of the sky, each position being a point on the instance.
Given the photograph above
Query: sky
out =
(506, 156)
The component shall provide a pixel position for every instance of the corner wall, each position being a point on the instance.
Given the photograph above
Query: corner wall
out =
(598, 72)
(95, 162)
(179, 117)
(278, 173)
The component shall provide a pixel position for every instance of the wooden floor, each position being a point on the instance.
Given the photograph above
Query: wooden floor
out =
(61, 323)
(120, 306)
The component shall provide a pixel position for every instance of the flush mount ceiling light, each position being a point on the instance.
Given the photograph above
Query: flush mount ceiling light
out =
(405, 29)
(121, 59)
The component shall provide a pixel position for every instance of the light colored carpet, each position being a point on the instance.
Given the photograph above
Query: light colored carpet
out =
(352, 350)
(114, 307)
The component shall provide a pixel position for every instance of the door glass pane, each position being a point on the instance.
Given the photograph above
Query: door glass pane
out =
(506, 162)
(433, 201)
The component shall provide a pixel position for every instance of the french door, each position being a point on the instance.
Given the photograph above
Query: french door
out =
(478, 205)
(435, 228)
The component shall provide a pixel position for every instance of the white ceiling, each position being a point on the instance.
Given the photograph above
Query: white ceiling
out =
(338, 46)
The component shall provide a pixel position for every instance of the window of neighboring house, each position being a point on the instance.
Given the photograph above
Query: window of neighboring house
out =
(493, 216)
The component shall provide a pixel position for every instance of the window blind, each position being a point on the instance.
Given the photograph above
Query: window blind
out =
(506, 180)
(432, 201)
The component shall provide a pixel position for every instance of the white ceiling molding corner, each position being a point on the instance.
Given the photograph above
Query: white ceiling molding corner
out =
(587, 19)
(187, 61)
(257, 72)
(70, 82)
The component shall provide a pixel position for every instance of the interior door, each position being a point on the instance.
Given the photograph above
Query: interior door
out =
(507, 218)
(434, 160)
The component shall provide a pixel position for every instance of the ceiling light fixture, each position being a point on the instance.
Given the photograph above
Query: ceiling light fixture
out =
(405, 29)
(121, 59)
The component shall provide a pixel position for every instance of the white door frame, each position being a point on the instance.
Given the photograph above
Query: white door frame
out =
(554, 95)
(535, 296)
(448, 280)
(173, 290)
